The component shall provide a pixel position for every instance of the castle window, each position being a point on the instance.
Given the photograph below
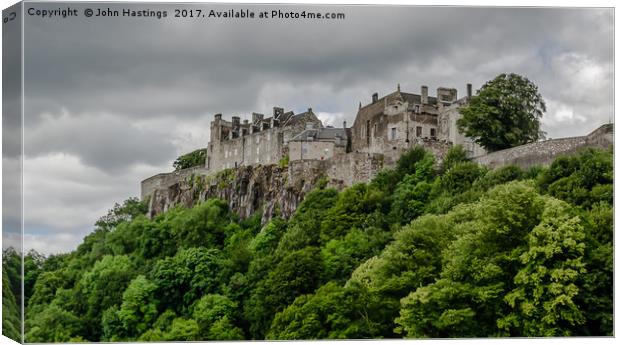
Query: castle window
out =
(417, 109)
(235, 152)
(432, 132)
(257, 150)
(393, 133)
(418, 131)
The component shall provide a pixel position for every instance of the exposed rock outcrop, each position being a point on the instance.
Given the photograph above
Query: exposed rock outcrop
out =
(247, 189)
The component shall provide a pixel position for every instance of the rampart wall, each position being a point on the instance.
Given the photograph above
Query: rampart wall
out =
(544, 152)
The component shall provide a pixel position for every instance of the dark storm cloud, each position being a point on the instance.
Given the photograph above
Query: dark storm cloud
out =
(187, 67)
(111, 102)
(104, 141)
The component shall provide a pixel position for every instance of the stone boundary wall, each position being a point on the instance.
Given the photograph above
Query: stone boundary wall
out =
(165, 180)
(341, 170)
(353, 167)
(545, 152)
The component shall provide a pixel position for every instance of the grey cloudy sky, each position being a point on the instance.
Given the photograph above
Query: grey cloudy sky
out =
(112, 101)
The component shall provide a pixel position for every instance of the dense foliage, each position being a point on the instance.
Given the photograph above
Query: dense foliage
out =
(423, 250)
(504, 113)
(193, 159)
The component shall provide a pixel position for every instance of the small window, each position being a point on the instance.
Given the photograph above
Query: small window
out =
(393, 133)
(235, 152)
(418, 131)
(432, 132)
(417, 109)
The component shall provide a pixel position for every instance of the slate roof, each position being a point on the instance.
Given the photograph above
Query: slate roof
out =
(326, 134)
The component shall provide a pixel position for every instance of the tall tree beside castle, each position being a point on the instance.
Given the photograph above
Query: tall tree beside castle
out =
(506, 112)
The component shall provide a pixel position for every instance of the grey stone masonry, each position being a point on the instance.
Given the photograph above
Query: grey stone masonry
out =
(544, 152)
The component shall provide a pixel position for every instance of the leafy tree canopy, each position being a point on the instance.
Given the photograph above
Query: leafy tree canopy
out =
(504, 113)
(189, 160)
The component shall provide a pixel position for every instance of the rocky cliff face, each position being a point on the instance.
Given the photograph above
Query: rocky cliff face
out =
(248, 189)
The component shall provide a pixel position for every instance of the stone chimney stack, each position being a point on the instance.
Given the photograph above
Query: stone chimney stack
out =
(218, 117)
(235, 121)
(257, 117)
(344, 124)
(468, 90)
(309, 110)
(424, 94)
(375, 97)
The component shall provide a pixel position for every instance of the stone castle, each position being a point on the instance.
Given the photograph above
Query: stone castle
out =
(386, 127)
(270, 163)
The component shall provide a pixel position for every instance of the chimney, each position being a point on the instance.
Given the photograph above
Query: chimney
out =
(218, 117)
(309, 110)
(424, 94)
(344, 124)
(375, 97)
(235, 121)
(256, 117)
(468, 90)
(277, 111)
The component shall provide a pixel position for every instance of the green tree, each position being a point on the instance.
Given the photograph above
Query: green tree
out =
(504, 113)
(130, 209)
(298, 273)
(101, 288)
(53, 324)
(214, 314)
(544, 298)
(358, 206)
(139, 308)
(192, 159)
(456, 154)
(183, 278)
(332, 312)
(11, 318)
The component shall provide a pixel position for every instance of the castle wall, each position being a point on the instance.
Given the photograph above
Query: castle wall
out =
(448, 130)
(263, 147)
(545, 152)
(342, 170)
(355, 167)
(320, 150)
(165, 180)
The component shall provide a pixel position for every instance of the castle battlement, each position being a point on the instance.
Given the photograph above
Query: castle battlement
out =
(383, 130)
(388, 126)
(261, 141)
